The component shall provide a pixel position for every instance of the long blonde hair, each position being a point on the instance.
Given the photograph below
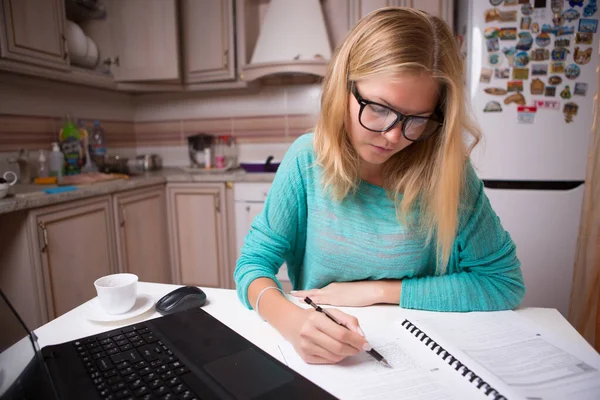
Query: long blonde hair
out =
(427, 176)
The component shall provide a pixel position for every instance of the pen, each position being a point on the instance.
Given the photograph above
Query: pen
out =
(373, 353)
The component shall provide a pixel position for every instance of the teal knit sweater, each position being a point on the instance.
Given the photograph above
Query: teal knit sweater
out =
(360, 238)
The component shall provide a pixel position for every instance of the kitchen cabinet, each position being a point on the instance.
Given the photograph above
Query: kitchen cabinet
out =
(208, 40)
(145, 40)
(141, 234)
(74, 246)
(440, 8)
(32, 32)
(198, 235)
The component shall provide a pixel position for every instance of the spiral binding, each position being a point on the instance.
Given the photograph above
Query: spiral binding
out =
(453, 361)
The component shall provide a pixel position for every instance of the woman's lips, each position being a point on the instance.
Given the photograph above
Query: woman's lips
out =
(381, 149)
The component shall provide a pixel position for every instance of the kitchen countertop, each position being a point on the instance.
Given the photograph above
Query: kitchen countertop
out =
(22, 197)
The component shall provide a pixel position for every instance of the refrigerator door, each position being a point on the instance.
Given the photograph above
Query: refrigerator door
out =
(549, 149)
(544, 226)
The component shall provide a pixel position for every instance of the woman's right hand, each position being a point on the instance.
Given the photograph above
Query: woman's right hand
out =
(319, 340)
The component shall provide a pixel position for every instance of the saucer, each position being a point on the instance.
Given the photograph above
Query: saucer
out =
(92, 310)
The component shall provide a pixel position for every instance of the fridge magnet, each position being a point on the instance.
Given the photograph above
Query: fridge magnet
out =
(584, 38)
(509, 53)
(539, 69)
(526, 114)
(527, 9)
(486, 75)
(588, 25)
(495, 14)
(492, 45)
(495, 91)
(555, 80)
(494, 58)
(576, 3)
(537, 86)
(566, 93)
(535, 27)
(491, 32)
(556, 5)
(502, 73)
(525, 41)
(542, 40)
(557, 67)
(525, 23)
(521, 59)
(559, 54)
(524, 1)
(508, 34)
(564, 30)
(516, 98)
(590, 9)
(572, 71)
(569, 111)
(580, 89)
(496, 2)
(514, 86)
(540, 55)
(582, 57)
(562, 42)
(557, 19)
(550, 91)
(571, 14)
(492, 106)
(547, 104)
(520, 73)
(511, 2)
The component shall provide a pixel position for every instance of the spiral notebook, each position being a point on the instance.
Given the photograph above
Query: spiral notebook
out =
(435, 356)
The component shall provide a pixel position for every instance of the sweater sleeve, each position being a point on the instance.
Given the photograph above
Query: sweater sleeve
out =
(274, 233)
(483, 273)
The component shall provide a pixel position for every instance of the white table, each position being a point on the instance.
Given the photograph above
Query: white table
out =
(225, 306)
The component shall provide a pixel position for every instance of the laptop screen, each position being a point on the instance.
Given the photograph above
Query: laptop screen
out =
(23, 373)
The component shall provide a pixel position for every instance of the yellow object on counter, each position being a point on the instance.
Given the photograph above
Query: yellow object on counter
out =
(50, 180)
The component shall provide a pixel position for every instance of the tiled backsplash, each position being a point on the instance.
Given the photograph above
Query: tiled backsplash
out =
(264, 121)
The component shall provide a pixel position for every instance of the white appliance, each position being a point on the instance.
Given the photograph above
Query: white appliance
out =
(249, 200)
(533, 172)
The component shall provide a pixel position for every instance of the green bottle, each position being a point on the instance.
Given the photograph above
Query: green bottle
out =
(70, 144)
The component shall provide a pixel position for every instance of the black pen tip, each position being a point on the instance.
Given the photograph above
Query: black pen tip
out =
(307, 300)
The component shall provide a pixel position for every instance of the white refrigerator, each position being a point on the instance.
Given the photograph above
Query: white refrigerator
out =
(532, 85)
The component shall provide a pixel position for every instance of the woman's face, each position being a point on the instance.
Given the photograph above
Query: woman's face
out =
(407, 94)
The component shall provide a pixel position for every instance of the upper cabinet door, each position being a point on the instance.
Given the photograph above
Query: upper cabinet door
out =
(208, 40)
(440, 8)
(33, 32)
(145, 40)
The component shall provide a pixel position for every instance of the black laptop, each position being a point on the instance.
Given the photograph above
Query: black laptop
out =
(186, 355)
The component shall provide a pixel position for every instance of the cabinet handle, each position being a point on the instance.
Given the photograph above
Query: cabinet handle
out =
(247, 208)
(66, 47)
(45, 235)
(123, 217)
(218, 203)
(225, 58)
(111, 61)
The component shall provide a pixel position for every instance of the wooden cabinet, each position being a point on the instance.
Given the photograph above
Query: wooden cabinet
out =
(208, 40)
(197, 234)
(440, 8)
(74, 243)
(32, 32)
(145, 40)
(141, 234)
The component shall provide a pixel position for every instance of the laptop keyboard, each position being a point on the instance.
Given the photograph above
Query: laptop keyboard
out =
(131, 363)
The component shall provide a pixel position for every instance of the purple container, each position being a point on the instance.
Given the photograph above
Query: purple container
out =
(265, 166)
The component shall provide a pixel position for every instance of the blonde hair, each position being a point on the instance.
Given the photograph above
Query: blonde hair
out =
(428, 176)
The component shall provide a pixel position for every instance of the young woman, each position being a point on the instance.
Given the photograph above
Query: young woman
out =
(380, 204)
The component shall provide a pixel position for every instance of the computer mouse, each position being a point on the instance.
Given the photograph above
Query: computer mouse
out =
(181, 299)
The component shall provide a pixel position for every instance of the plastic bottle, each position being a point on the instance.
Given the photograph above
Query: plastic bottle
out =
(85, 140)
(57, 161)
(42, 167)
(220, 153)
(97, 146)
(70, 143)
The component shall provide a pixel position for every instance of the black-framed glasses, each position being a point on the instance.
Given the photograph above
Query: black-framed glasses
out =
(379, 118)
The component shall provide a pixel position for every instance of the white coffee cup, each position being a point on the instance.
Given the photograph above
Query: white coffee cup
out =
(10, 181)
(117, 293)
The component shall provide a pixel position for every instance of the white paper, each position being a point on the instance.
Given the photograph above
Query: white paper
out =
(521, 355)
(415, 373)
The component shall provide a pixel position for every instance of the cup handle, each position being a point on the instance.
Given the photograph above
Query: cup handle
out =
(14, 177)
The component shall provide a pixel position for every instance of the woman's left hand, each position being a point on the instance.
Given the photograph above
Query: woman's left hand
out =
(354, 294)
